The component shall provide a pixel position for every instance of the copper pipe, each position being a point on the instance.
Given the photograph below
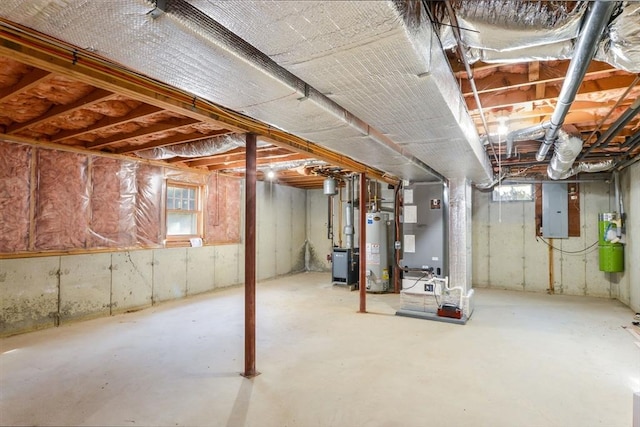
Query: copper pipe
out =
(363, 243)
(250, 260)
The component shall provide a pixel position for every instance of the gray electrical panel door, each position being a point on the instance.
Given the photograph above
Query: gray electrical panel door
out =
(424, 230)
(555, 217)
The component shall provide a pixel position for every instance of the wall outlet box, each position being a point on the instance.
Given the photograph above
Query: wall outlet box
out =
(428, 287)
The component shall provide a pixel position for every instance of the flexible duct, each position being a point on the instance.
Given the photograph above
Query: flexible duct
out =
(526, 134)
(595, 22)
(567, 149)
(205, 147)
(507, 31)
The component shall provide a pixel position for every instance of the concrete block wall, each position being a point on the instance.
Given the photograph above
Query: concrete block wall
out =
(507, 254)
(42, 292)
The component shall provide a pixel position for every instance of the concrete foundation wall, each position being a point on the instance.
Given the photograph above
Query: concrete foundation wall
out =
(507, 254)
(41, 292)
(629, 286)
(318, 245)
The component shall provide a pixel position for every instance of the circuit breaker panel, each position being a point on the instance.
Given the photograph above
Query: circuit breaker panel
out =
(555, 216)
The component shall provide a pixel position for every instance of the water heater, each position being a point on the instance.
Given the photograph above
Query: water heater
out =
(377, 268)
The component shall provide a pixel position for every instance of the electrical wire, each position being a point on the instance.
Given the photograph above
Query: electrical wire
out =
(416, 282)
(567, 252)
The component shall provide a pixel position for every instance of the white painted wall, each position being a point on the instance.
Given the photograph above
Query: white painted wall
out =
(42, 292)
(507, 254)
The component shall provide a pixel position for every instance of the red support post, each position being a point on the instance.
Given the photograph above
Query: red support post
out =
(362, 284)
(250, 259)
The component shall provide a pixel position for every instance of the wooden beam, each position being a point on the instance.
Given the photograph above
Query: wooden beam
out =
(289, 157)
(518, 98)
(142, 132)
(94, 97)
(143, 111)
(235, 155)
(28, 81)
(41, 51)
(505, 80)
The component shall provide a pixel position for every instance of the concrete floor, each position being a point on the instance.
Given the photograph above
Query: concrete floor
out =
(522, 360)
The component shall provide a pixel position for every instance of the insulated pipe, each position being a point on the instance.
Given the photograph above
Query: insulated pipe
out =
(596, 20)
(619, 202)
(250, 260)
(348, 217)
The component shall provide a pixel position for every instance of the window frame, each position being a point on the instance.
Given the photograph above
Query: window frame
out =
(198, 211)
(495, 197)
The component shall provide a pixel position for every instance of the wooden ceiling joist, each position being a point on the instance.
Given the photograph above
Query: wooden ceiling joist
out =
(98, 95)
(44, 52)
(27, 82)
(106, 122)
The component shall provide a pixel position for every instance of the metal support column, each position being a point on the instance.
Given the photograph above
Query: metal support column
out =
(250, 260)
(362, 284)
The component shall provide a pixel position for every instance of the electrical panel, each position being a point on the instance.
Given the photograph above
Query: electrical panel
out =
(555, 218)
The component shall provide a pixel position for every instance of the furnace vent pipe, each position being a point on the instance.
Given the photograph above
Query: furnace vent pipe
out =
(596, 20)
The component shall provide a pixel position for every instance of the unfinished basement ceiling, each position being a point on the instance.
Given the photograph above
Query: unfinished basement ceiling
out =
(367, 81)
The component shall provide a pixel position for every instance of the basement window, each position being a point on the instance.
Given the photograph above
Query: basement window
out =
(513, 193)
(184, 211)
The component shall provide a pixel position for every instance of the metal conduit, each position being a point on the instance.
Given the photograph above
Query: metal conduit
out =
(595, 22)
(618, 125)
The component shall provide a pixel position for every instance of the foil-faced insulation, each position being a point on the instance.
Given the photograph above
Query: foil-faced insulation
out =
(396, 69)
(622, 46)
(506, 26)
(505, 31)
(373, 59)
(205, 147)
(566, 149)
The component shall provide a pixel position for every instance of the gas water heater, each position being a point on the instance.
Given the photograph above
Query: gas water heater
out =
(377, 268)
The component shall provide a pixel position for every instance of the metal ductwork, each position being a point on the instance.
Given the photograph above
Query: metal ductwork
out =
(595, 22)
(526, 134)
(566, 150)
